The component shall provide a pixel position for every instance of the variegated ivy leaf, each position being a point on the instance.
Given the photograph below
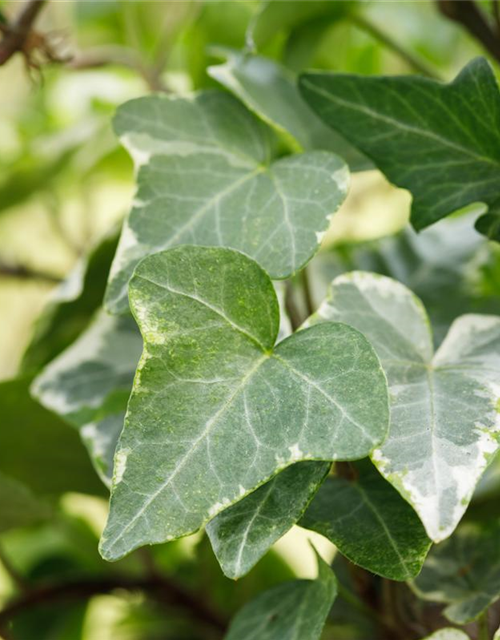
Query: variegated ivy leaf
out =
(447, 634)
(89, 384)
(208, 178)
(369, 522)
(243, 533)
(440, 141)
(216, 409)
(289, 611)
(444, 405)
(270, 91)
(464, 572)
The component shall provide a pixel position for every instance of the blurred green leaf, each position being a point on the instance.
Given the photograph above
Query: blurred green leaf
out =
(18, 506)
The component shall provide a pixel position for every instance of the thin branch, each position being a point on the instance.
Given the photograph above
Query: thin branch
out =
(162, 589)
(416, 63)
(470, 16)
(306, 287)
(24, 272)
(17, 33)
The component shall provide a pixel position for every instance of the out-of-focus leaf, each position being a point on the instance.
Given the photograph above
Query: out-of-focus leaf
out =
(209, 318)
(447, 634)
(89, 383)
(444, 412)
(291, 610)
(38, 449)
(370, 523)
(424, 135)
(270, 91)
(242, 534)
(210, 180)
(71, 308)
(463, 572)
(18, 506)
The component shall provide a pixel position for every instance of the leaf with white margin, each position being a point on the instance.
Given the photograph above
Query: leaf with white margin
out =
(216, 410)
(369, 523)
(270, 91)
(243, 533)
(210, 180)
(289, 611)
(444, 413)
(89, 383)
(448, 634)
(463, 572)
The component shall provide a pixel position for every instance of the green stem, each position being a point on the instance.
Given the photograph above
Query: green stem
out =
(358, 604)
(483, 629)
(306, 286)
(417, 64)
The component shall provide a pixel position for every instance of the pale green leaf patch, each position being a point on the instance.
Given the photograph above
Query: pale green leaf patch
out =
(289, 611)
(447, 634)
(243, 533)
(440, 141)
(216, 409)
(444, 419)
(370, 523)
(208, 177)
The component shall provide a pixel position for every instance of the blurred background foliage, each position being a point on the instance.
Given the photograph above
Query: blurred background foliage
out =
(65, 185)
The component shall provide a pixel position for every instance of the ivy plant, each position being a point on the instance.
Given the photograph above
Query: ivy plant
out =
(220, 390)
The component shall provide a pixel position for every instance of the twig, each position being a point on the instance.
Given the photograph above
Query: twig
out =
(162, 589)
(470, 16)
(27, 273)
(306, 287)
(16, 34)
(417, 64)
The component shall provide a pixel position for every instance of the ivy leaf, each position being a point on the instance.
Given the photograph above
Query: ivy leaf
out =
(448, 634)
(497, 634)
(444, 412)
(89, 384)
(297, 609)
(463, 572)
(215, 410)
(242, 534)
(19, 506)
(369, 523)
(270, 91)
(210, 180)
(440, 141)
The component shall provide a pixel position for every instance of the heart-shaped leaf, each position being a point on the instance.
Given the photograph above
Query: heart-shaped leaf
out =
(210, 180)
(440, 141)
(297, 609)
(216, 410)
(369, 522)
(89, 384)
(444, 412)
(463, 572)
(243, 533)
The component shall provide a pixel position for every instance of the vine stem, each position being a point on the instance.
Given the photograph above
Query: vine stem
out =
(483, 629)
(417, 64)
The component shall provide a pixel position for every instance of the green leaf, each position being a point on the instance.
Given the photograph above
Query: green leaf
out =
(369, 522)
(215, 410)
(463, 572)
(89, 384)
(210, 180)
(447, 634)
(71, 307)
(242, 534)
(270, 91)
(444, 412)
(18, 506)
(38, 449)
(297, 609)
(440, 141)
(497, 634)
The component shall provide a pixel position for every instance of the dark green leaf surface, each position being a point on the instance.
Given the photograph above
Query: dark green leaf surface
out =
(243, 533)
(90, 382)
(270, 91)
(38, 449)
(208, 179)
(215, 409)
(444, 405)
(18, 506)
(440, 141)
(291, 611)
(463, 572)
(369, 522)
